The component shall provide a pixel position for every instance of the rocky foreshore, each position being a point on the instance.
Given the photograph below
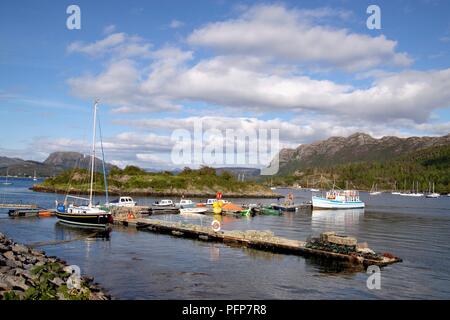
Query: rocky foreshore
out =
(28, 274)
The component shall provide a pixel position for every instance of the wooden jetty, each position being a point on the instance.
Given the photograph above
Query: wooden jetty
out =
(261, 240)
(28, 213)
(17, 206)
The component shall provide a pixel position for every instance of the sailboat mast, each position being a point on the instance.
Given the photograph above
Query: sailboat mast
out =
(93, 154)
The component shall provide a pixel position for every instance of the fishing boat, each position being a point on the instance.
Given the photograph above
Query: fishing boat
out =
(338, 199)
(184, 203)
(432, 194)
(86, 214)
(187, 206)
(127, 202)
(314, 190)
(6, 182)
(165, 203)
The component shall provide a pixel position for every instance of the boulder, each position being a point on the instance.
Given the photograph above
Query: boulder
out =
(18, 248)
(9, 255)
(14, 282)
(4, 248)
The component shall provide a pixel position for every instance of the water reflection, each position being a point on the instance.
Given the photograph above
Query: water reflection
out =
(321, 219)
(67, 232)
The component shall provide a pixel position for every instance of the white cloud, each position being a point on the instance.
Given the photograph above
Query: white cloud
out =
(175, 24)
(120, 44)
(109, 29)
(274, 31)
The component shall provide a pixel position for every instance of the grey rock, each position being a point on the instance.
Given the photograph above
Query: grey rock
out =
(35, 252)
(27, 266)
(23, 273)
(2, 261)
(4, 248)
(57, 282)
(9, 255)
(14, 282)
(13, 264)
(18, 248)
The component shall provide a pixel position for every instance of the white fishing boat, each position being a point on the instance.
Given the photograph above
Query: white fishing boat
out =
(127, 202)
(184, 203)
(314, 190)
(165, 203)
(432, 194)
(86, 214)
(338, 199)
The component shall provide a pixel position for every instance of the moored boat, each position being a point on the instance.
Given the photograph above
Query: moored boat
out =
(122, 202)
(165, 203)
(87, 215)
(338, 199)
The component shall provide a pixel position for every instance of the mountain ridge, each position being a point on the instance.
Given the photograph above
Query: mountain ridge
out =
(55, 163)
(354, 148)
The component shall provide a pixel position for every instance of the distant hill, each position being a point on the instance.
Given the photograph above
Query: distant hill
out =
(360, 161)
(355, 148)
(53, 165)
(247, 173)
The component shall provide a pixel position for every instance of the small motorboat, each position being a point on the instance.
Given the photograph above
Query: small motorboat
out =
(269, 211)
(127, 202)
(282, 208)
(165, 203)
(192, 210)
(184, 203)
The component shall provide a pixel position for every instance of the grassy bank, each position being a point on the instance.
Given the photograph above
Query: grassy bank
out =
(135, 181)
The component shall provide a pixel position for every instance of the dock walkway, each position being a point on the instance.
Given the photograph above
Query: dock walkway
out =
(261, 240)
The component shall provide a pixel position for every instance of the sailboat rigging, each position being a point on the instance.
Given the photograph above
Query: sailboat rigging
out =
(85, 215)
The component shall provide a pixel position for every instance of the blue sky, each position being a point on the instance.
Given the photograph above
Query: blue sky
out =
(309, 68)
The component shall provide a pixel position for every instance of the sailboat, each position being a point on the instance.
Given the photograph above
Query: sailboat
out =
(374, 191)
(395, 191)
(415, 191)
(34, 177)
(85, 215)
(6, 183)
(432, 194)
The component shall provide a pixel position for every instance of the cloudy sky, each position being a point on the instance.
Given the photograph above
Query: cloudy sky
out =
(311, 69)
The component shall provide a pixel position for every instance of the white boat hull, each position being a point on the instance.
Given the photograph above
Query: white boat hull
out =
(323, 203)
(193, 211)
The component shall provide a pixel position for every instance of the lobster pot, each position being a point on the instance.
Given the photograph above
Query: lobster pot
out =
(325, 235)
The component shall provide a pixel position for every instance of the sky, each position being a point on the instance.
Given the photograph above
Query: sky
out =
(311, 69)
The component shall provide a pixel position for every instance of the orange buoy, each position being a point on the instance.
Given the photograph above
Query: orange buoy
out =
(131, 216)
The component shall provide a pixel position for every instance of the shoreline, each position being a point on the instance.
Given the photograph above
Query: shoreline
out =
(29, 274)
(37, 188)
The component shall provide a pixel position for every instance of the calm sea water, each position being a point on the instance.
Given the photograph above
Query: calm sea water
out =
(141, 265)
